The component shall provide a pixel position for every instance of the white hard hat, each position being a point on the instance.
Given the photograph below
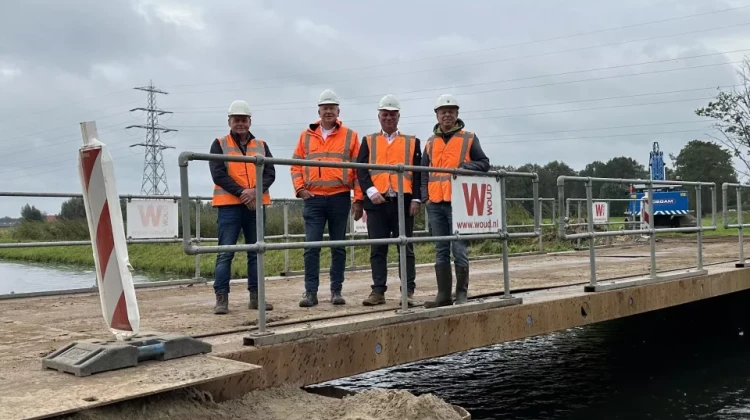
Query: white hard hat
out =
(446, 100)
(328, 97)
(389, 103)
(239, 108)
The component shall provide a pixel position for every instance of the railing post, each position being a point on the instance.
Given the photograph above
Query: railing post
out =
(699, 222)
(286, 236)
(652, 231)
(578, 218)
(402, 245)
(713, 205)
(592, 239)
(504, 227)
(198, 205)
(740, 233)
(564, 209)
(260, 230)
(554, 211)
(537, 212)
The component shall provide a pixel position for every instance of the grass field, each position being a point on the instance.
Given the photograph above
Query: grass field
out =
(168, 260)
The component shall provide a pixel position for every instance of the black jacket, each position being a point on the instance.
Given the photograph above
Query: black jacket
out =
(221, 176)
(365, 181)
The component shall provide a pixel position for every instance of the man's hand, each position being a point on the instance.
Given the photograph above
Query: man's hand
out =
(250, 205)
(247, 195)
(414, 209)
(357, 210)
(377, 199)
(304, 194)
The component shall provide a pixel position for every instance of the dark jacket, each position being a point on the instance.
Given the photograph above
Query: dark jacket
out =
(479, 161)
(365, 181)
(221, 176)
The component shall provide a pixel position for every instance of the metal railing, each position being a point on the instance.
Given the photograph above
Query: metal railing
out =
(285, 236)
(739, 225)
(261, 246)
(591, 234)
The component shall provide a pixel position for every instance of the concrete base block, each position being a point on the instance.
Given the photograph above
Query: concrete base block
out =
(90, 357)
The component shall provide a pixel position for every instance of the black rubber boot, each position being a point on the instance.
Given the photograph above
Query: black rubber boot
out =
(222, 304)
(253, 302)
(444, 275)
(462, 284)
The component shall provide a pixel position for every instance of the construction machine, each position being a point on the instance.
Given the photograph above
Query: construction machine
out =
(671, 204)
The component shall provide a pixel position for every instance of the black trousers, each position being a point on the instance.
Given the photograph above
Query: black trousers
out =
(382, 222)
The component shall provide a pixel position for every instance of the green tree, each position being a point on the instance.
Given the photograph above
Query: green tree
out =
(708, 162)
(731, 111)
(32, 214)
(73, 209)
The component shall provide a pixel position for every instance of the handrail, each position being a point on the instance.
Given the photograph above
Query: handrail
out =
(261, 246)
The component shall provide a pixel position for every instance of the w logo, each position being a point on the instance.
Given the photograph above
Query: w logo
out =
(475, 199)
(152, 213)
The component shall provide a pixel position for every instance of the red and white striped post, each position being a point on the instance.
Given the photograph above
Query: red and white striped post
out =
(102, 203)
(645, 216)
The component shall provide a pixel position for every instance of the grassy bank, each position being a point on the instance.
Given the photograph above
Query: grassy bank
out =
(168, 260)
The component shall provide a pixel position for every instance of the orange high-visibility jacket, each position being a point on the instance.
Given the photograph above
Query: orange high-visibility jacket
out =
(399, 152)
(342, 145)
(241, 172)
(446, 155)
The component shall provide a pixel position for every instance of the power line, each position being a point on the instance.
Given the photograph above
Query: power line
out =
(154, 175)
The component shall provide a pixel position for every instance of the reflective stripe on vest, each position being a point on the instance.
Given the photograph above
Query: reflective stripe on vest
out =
(241, 172)
(330, 157)
(439, 183)
(381, 179)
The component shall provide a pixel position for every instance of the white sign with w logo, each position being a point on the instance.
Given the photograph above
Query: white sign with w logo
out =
(150, 219)
(475, 205)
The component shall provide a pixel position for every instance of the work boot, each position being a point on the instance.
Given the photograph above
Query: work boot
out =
(253, 303)
(462, 284)
(222, 304)
(375, 298)
(309, 299)
(336, 298)
(409, 298)
(444, 275)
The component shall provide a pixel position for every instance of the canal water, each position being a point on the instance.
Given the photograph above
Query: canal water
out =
(688, 362)
(25, 277)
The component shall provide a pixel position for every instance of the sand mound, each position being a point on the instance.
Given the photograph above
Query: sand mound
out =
(284, 403)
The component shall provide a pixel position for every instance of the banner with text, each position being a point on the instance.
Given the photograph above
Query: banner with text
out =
(150, 219)
(476, 205)
(601, 212)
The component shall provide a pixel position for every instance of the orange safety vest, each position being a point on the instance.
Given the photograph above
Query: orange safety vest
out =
(446, 155)
(342, 145)
(241, 172)
(398, 152)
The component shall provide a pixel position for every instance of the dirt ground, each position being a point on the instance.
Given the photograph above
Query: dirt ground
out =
(286, 403)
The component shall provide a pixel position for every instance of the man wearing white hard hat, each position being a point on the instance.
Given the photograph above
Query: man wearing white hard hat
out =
(235, 197)
(389, 146)
(449, 146)
(327, 193)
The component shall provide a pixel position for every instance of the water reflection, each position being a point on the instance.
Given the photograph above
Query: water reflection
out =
(24, 278)
(688, 362)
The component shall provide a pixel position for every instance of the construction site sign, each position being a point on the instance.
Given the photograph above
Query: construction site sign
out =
(149, 219)
(476, 205)
(601, 212)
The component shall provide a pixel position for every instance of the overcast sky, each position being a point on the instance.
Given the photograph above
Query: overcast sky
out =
(536, 80)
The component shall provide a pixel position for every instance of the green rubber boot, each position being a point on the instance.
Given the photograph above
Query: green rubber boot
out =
(444, 275)
(462, 284)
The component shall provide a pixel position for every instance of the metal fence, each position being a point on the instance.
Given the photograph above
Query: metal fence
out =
(285, 203)
(261, 246)
(592, 234)
(739, 225)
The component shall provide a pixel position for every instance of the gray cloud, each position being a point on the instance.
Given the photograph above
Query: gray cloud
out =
(66, 62)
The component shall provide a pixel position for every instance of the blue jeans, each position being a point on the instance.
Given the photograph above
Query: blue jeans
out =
(318, 211)
(233, 219)
(441, 220)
